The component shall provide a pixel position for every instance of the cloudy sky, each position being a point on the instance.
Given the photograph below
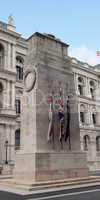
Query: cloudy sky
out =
(75, 22)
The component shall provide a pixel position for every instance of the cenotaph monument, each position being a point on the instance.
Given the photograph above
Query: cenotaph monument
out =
(50, 137)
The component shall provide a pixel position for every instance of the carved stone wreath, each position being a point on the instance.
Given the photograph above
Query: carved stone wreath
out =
(30, 80)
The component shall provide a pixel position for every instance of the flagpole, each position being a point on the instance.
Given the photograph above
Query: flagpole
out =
(61, 115)
(69, 143)
(53, 135)
(67, 135)
(69, 129)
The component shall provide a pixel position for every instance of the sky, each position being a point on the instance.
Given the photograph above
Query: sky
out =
(75, 22)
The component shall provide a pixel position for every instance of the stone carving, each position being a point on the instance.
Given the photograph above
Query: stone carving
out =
(29, 80)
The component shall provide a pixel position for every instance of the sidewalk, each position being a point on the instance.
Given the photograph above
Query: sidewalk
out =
(28, 187)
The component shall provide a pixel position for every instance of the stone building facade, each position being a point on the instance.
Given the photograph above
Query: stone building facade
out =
(13, 53)
(87, 84)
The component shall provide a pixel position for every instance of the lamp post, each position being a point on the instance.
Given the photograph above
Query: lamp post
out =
(6, 146)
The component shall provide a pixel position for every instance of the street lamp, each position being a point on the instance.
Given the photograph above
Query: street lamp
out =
(6, 145)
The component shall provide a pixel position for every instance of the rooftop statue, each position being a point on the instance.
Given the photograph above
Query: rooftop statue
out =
(11, 20)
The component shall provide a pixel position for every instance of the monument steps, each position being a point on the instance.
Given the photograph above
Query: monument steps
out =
(30, 186)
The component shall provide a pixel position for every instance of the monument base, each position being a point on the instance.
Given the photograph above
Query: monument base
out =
(50, 166)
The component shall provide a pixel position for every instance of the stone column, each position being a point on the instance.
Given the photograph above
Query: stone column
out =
(98, 116)
(5, 61)
(2, 142)
(13, 95)
(92, 152)
(12, 143)
(13, 58)
(8, 94)
(9, 56)
(87, 88)
(76, 83)
(88, 115)
(5, 97)
(91, 120)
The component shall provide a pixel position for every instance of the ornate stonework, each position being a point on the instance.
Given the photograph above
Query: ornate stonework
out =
(53, 71)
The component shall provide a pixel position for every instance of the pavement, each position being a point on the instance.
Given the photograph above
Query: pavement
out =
(78, 193)
(29, 185)
(70, 189)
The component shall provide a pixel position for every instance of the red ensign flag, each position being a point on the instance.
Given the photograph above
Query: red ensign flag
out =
(98, 53)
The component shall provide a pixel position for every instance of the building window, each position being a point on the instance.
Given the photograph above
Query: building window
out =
(80, 79)
(94, 118)
(1, 95)
(17, 139)
(82, 117)
(19, 68)
(86, 141)
(19, 73)
(1, 56)
(98, 143)
(18, 106)
(80, 89)
(92, 89)
(92, 93)
(80, 86)
(82, 113)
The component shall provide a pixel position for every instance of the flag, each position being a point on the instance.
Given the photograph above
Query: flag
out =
(61, 120)
(51, 120)
(61, 115)
(67, 133)
(98, 53)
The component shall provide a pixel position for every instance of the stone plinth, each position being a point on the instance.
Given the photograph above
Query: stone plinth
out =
(51, 166)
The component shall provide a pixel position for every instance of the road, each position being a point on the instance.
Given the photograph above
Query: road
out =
(86, 193)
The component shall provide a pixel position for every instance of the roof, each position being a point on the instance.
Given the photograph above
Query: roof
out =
(49, 36)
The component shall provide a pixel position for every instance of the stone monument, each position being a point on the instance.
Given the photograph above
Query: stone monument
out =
(50, 147)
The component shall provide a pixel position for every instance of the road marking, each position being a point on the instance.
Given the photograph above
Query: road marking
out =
(62, 195)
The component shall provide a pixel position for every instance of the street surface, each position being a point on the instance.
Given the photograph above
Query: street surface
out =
(86, 193)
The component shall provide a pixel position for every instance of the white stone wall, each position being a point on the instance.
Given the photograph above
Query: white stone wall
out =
(8, 121)
(90, 106)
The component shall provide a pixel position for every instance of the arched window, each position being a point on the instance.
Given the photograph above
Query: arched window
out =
(94, 118)
(19, 67)
(1, 55)
(1, 95)
(80, 79)
(82, 117)
(92, 89)
(98, 143)
(18, 106)
(17, 139)
(80, 86)
(82, 113)
(80, 89)
(86, 141)
(94, 115)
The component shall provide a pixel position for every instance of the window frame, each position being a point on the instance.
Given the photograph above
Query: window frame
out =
(19, 73)
(17, 139)
(86, 141)
(97, 143)
(94, 118)
(82, 117)
(1, 56)
(18, 106)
